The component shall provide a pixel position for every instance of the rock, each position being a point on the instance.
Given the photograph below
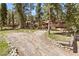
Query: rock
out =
(13, 51)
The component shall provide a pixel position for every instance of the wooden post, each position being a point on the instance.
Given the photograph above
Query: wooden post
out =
(75, 48)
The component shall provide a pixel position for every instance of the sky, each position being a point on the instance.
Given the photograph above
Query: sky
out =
(9, 6)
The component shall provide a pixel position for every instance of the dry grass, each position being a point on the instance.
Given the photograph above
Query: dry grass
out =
(58, 37)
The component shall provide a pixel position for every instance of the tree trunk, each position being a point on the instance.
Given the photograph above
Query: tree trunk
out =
(9, 19)
(19, 8)
(12, 19)
(49, 27)
(1, 27)
(50, 18)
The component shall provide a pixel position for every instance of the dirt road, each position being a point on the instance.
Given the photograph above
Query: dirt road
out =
(34, 44)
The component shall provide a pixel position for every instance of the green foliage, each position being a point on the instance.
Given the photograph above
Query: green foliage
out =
(68, 12)
(72, 15)
(4, 48)
(38, 11)
(3, 14)
(56, 11)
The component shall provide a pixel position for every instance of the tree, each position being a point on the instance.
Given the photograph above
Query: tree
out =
(9, 16)
(38, 13)
(13, 19)
(3, 14)
(58, 10)
(50, 17)
(52, 12)
(20, 13)
(28, 8)
(72, 21)
(69, 15)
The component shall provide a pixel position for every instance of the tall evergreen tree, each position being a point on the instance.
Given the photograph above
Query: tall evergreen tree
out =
(38, 13)
(3, 14)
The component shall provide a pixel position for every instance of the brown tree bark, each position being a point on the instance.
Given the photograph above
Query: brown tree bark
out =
(19, 8)
(50, 18)
(12, 19)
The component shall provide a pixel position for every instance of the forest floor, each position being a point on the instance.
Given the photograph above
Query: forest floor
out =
(37, 44)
